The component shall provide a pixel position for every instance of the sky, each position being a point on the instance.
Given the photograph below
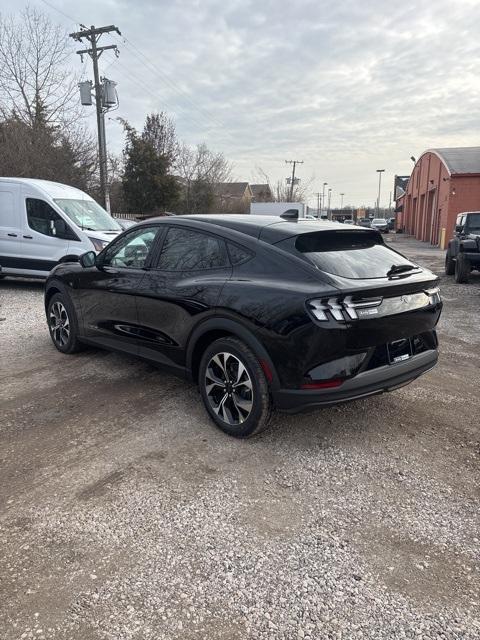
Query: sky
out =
(347, 86)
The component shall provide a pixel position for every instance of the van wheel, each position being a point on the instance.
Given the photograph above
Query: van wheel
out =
(63, 324)
(449, 265)
(462, 269)
(234, 388)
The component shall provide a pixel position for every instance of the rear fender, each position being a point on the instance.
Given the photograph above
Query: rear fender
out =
(235, 329)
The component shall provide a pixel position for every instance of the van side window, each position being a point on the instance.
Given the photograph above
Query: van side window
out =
(44, 219)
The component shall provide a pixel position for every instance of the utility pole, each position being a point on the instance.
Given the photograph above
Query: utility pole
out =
(379, 171)
(292, 184)
(92, 36)
(329, 215)
(341, 205)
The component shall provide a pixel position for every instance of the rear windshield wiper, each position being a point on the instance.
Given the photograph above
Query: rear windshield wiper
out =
(400, 268)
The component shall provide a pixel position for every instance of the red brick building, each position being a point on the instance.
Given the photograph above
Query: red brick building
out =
(443, 183)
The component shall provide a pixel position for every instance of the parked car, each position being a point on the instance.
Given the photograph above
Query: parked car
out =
(391, 224)
(43, 222)
(380, 224)
(463, 251)
(260, 312)
(364, 222)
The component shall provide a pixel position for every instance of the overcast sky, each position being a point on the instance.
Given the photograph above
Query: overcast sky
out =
(347, 86)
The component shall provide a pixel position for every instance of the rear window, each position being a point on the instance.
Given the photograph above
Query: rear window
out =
(348, 254)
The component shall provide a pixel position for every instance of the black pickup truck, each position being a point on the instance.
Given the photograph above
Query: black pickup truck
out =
(463, 252)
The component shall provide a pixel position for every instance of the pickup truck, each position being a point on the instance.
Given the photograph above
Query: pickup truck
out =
(463, 252)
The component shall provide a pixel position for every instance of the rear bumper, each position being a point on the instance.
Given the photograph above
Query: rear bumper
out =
(386, 378)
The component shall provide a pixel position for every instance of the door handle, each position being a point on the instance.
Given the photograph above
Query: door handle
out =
(28, 237)
(12, 235)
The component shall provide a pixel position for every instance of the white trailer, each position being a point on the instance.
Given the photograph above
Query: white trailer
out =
(280, 208)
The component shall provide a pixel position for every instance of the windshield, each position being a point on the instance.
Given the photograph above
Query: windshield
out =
(350, 254)
(87, 214)
(473, 222)
(378, 221)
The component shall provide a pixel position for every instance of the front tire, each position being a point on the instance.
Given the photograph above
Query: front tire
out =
(449, 264)
(63, 324)
(462, 269)
(234, 388)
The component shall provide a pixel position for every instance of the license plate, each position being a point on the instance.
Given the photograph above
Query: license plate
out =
(399, 350)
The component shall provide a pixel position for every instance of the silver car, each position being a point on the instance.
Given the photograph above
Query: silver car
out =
(380, 224)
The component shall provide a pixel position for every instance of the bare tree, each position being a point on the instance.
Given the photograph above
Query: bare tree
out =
(199, 170)
(35, 83)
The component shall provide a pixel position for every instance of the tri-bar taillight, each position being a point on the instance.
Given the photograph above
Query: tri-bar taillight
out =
(337, 307)
(347, 308)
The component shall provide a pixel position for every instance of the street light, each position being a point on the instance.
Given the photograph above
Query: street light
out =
(341, 205)
(329, 200)
(379, 171)
(323, 195)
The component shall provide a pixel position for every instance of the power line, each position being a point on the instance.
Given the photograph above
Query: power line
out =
(146, 62)
(65, 15)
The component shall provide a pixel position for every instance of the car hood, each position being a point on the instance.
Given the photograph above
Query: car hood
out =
(107, 236)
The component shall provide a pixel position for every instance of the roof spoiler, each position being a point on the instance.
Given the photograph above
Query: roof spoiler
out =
(290, 214)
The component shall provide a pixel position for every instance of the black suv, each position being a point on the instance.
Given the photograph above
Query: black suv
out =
(262, 313)
(463, 252)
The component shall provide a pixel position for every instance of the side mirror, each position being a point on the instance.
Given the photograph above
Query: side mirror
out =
(59, 227)
(88, 259)
(458, 228)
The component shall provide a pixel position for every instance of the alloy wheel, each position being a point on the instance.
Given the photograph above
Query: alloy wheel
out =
(59, 323)
(229, 388)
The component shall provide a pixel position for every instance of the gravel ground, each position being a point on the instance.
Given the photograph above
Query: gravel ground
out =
(125, 514)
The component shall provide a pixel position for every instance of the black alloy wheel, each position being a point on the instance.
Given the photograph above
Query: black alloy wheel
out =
(62, 324)
(234, 388)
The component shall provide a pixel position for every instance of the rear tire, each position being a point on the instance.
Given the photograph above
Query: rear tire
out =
(234, 388)
(462, 269)
(63, 324)
(449, 265)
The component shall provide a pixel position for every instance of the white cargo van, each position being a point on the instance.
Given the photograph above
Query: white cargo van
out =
(41, 222)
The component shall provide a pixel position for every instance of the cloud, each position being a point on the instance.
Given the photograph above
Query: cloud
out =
(346, 86)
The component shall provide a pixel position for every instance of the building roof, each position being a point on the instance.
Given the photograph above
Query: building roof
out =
(231, 189)
(260, 190)
(460, 159)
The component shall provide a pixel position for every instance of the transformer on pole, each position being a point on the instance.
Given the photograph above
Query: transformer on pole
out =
(105, 94)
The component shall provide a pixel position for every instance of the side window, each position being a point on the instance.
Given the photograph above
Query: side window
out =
(131, 251)
(238, 255)
(186, 250)
(45, 220)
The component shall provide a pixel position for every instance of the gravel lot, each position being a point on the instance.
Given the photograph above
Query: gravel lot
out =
(125, 514)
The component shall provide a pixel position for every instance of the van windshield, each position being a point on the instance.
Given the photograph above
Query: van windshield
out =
(87, 214)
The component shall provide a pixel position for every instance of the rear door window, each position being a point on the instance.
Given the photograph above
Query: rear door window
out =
(186, 250)
(348, 254)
